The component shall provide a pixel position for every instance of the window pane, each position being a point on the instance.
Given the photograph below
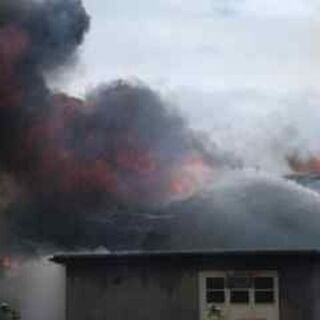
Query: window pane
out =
(236, 282)
(215, 296)
(263, 283)
(264, 296)
(239, 297)
(215, 283)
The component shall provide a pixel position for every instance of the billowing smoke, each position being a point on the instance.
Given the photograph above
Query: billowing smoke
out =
(34, 37)
(275, 132)
(119, 168)
(82, 168)
(103, 170)
(246, 210)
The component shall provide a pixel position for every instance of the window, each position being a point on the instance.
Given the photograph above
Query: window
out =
(239, 282)
(235, 294)
(239, 289)
(215, 290)
(264, 290)
(239, 296)
(243, 289)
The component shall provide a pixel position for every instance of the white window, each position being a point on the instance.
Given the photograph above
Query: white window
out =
(215, 290)
(236, 295)
(264, 289)
(239, 287)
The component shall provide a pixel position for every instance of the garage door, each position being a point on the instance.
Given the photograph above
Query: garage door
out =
(230, 295)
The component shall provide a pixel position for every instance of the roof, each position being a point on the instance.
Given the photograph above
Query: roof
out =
(303, 176)
(134, 256)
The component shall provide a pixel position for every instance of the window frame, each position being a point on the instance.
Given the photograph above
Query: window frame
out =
(213, 290)
(271, 289)
(234, 287)
(204, 274)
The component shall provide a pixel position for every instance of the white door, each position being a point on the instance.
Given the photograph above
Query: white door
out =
(228, 295)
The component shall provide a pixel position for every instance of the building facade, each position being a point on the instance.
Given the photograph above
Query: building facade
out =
(231, 285)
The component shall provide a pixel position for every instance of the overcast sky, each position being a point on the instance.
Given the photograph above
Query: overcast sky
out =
(239, 68)
(226, 44)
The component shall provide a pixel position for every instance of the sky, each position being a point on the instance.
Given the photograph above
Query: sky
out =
(244, 71)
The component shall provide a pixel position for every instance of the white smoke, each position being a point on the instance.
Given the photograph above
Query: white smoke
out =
(260, 129)
(36, 289)
(247, 210)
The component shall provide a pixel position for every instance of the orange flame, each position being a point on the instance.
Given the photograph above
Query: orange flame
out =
(192, 176)
(7, 263)
(309, 166)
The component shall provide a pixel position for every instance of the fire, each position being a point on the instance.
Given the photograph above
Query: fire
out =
(120, 145)
(309, 166)
(8, 263)
(118, 140)
(181, 186)
(193, 175)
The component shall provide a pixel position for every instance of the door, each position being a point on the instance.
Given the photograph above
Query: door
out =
(230, 295)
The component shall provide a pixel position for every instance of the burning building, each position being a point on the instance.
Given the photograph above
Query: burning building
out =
(112, 168)
(229, 285)
(118, 168)
(192, 279)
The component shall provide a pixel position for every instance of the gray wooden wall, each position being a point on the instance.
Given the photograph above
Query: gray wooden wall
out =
(168, 291)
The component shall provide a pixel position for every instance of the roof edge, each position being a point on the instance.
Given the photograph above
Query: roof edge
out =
(75, 257)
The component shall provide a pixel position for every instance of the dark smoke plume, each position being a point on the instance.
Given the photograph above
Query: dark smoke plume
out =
(34, 37)
(84, 168)
(103, 171)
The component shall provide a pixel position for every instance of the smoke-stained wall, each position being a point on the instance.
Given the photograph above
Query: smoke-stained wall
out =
(168, 287)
